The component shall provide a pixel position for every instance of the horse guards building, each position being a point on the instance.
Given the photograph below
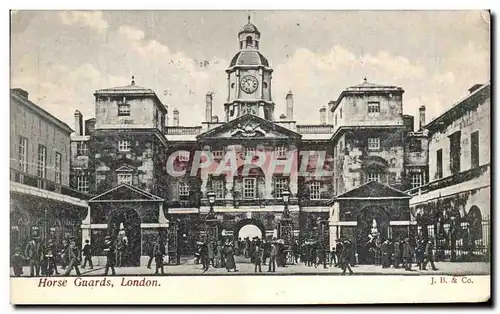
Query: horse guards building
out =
(364, 166)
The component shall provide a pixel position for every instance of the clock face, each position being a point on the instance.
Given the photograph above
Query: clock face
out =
(249, 83)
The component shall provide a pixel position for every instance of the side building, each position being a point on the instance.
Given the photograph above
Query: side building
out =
(454, 208)
(41, 202)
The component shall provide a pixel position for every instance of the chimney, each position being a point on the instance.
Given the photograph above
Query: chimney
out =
(215, 119)
(78, 123)
(322, 115)
(421, 112)
(176, 117)
(289, 105)
(331, 103)
(208, 107)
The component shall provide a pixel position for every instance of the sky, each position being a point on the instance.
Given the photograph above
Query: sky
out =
(62, 57)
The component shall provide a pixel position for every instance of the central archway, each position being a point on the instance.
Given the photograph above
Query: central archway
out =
(251, 226)
(132, 227)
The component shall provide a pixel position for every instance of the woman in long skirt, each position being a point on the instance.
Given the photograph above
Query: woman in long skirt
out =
(218, 255)
(230, 262)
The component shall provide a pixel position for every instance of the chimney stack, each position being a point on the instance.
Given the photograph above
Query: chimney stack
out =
(208, 107)
(78, 123)
(322, 115)
(21, 92)
(421, 112)
(176, 117)
(289, 105)
(331, 103)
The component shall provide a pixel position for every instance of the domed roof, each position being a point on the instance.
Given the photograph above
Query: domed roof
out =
(249, 57)
(249, 28)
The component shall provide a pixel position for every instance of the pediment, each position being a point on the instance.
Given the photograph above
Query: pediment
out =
(249, 127)
(373, 189)
(125, 168)
(125, 192)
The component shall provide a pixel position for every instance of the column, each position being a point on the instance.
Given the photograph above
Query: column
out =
(229, 188)
(269, 186)
(333, 223)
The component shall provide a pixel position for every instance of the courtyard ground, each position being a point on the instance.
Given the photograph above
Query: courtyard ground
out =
(188, 267)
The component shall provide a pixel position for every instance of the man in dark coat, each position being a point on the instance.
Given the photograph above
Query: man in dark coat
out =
(17, 262)
(385, 254)
(420, 253)
(204, 256)
(257, 258)
(397, 254)
(74, 257)
(34, 254)
(267, 251)
(345, 258)
(87, 255)
(273, 257)
(50, 253)
(407, 254)
(429, 255)
(338, 252)
(110, 251)
(158, 254)
(321, 254)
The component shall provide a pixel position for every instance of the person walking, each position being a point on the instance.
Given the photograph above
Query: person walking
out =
(429, 255)
(210, 252)
(258, 257)
(345, 258)
(110, 251)
(218, 255)
(407, 254)
(229, 253)
(74, 259)
(321, 254)
(158, 254)
(63, 256)
(420, 253)
(272, 258)
(385, 254)
(204, 256)
(266, 251)
(17, 262)
(50, 259)
(87, 255)
(397, 254)
(338, 251)
(34, 254)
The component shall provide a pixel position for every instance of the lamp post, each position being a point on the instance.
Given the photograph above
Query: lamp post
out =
(210, 220)
(453, 236)
(286, 198)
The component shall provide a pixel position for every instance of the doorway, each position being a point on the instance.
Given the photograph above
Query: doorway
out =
(372, 229)
(131, 223)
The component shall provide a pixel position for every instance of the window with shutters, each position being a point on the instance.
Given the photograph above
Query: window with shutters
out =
(42, 161)
(23, 154)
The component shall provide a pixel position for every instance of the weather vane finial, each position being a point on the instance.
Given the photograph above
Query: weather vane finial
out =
(365, 80)
(133, 80)
(249, 17)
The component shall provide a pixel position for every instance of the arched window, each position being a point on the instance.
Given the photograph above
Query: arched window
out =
(249, 42)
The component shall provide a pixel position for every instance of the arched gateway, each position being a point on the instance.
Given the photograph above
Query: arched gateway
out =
(251, 227)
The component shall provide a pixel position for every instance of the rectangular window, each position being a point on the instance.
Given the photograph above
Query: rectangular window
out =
(415, 146)
(82, 184)
(124, 178)
(249, 188)
(335, 119)
(474, 147)
(123, 108)
(315, 190)
(340, 113)
(23, 154)
(373, 143)
(218, 154)
(373, 107)
(124, 146)
(42, 161)
(184, 156)
(455, 152)
(183, 189)
(218, 188)
(416, 180)
(249, 152)
(280, 185)
(58, 168)
(281, 151)
(439, 164)
(82, 148)
(373, 176)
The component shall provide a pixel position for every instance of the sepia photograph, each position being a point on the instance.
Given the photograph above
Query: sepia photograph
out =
(210, 146)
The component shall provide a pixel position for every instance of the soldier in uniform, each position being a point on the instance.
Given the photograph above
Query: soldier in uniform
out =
(110, 251)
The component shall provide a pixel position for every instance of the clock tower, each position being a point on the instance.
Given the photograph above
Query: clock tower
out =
(249, 78)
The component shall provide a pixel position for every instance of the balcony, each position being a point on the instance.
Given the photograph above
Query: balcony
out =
(457, 178)
(45, 184)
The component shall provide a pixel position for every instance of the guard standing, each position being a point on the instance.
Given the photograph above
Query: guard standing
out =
(110, 252)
